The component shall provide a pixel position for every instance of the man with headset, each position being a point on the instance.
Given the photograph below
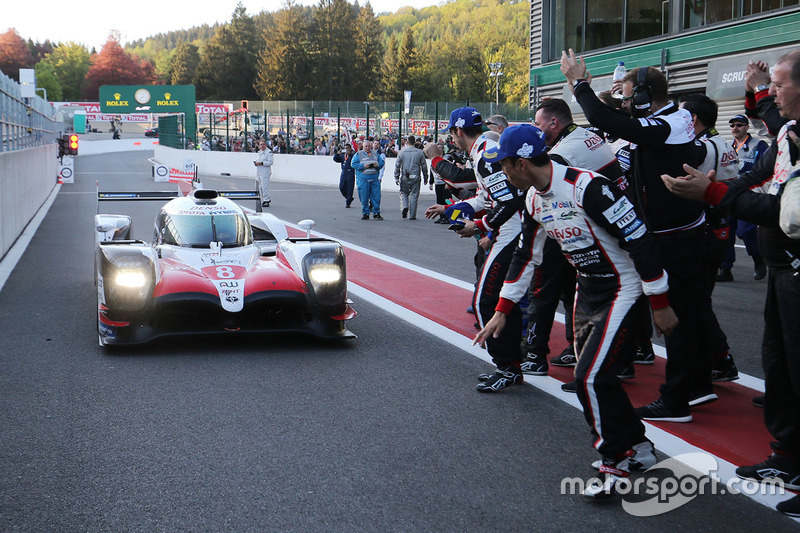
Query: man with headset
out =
(664, 139)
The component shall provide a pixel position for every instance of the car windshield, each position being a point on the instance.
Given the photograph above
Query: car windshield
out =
(200, 230)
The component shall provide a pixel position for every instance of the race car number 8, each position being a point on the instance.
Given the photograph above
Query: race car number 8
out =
(225, 272)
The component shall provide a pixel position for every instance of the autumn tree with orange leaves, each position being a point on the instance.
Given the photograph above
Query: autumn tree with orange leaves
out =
(114, 66)
(14, 54)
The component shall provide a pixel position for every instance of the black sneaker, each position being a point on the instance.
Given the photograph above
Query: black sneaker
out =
(642, 456)
(790, 507)
(364, 217)
(404, 212)
(644, 355)
(534, 365)
(570, 387)
(377, 216)
(627, 373)
(724, 369)
(501, 379)
(775, 469)
(565, 358)
(661, 413)
(264, 204)
(611, 471)
(724, 274)
(758, 401)
(702, 398)
(759, 269)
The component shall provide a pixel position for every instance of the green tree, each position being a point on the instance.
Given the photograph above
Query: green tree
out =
(70, 62)
(332, 27)
(367, 54)
(227, 64)
(183, 66)
(285, 69)
(389, 86)
(47, 79)
(405, 67)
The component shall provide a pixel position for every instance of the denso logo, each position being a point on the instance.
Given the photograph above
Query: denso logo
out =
(593, 142)
(566, 233)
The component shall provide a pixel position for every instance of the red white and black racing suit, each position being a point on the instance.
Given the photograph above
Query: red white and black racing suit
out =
(503, 219)
(605, 239)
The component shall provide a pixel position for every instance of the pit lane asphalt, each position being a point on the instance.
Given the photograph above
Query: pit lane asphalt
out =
(384, 433)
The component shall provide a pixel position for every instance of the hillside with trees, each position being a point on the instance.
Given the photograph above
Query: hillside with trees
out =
(334, 50)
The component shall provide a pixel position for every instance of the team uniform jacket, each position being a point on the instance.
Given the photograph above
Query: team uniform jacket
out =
(749, 151)
(599, 232)
(720, 156)
(581, 148)
(503, 199)
(771, 171)
(660, 144)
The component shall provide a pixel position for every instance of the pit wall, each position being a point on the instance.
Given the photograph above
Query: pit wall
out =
(27, 177)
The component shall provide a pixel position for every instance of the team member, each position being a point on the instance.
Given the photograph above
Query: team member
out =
(780, 349)
(263, 165)
(554, 279)
(605, 239)
(664, 139)
(502, 218)
(721, 158)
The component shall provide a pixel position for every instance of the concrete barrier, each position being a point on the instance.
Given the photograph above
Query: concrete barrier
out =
(314, 169)
(27, 177)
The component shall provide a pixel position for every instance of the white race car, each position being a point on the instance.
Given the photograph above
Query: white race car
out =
(215, 267)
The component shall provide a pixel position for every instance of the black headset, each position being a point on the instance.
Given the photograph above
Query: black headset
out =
(642, 93)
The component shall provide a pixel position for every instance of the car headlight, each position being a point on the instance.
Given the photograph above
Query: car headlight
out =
(325, 273)
(129, 282)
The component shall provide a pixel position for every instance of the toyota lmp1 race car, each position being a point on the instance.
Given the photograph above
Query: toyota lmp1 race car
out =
(214, 267)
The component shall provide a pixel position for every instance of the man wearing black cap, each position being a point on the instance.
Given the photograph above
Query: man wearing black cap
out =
(496, 205)
(748, 150)
(604, 237)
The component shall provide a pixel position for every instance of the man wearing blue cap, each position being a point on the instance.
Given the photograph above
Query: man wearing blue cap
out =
(605, 239)
(497, 206)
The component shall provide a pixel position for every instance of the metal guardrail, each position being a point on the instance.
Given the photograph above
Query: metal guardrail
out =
(25, 122)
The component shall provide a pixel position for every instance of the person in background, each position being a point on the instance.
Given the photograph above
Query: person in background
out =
(367, 164)
(347, 179)
(263, 165)
(409, 169)
(496, 123)
(748, 150)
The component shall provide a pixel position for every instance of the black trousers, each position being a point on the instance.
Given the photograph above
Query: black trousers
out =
(553, 281)
(686, 258)
(780, 355)
(606, 322)
(504, 350)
